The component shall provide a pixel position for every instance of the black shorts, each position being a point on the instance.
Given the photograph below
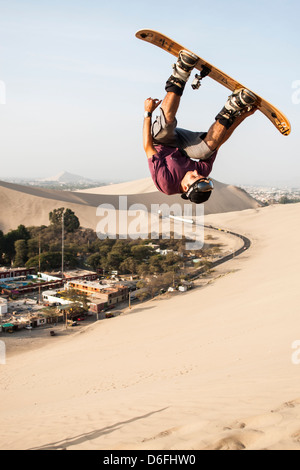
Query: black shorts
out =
(192, 143)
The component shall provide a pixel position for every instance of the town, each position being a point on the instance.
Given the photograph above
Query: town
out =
(268, 195)
(30, 300)
(123, 272)
(63, 274)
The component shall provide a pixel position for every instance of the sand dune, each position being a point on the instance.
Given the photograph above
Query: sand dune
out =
(31, 206)
(207, 369)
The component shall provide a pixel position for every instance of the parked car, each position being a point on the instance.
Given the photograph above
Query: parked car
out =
(109, 315)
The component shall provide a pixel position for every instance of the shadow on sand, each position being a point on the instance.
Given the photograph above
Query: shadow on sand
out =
(89, 436)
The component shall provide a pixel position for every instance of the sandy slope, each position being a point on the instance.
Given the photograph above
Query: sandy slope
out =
(31, 206)
(207, 369)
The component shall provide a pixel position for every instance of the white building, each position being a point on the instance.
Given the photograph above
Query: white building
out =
(51, 297)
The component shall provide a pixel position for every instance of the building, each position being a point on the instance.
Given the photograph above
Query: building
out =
(52, 297)
(106, 293)
(7, 274)
(81, 274)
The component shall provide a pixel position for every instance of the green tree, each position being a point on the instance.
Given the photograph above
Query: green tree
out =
(76, 297)
(21, 233)
(1, 243)
(52, 260)
(113, 261)
(71, 221)
(171, 262)
(155, 264)
(141, 252)
(21, 253)
(94, 261)
(32, 247)
(129, 265)
(142, 269)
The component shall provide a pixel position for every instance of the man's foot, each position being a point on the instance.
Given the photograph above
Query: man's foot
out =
(182, 69)
(240, 101)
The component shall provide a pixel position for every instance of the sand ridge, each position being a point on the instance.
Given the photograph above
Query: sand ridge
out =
(31, 205)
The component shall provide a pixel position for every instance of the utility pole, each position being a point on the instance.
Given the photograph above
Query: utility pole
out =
(62, 255)
(62, 244)
(39, 268)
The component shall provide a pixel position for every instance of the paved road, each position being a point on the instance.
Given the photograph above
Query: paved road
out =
(246, 246)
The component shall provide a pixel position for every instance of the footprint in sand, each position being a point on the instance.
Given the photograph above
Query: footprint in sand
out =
(237, 441)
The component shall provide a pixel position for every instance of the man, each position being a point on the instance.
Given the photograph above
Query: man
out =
(181, 160)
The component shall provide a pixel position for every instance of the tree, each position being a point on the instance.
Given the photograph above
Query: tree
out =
(52, 260)
(71, 221)
(162, 281)
(21, 233)
(75, 297)
(1, 243)
(32, 247)
(113, 261)
(142, 269)
(94, 261)
(171, 262)
(141, 252)
(128, 266)
(21, 253)
(155, 264)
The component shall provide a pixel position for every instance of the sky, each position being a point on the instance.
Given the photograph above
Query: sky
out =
(73, 80)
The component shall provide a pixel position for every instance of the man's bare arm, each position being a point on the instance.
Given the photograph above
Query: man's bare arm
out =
(150, 106)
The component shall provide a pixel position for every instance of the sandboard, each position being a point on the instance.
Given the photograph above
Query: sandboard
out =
(278, 119)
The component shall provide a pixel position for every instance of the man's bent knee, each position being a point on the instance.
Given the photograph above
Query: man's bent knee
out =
(203, 151)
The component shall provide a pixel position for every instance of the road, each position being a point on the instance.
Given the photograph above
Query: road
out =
(224, 259)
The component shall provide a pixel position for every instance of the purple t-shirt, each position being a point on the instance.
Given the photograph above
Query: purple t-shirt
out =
(169, 165)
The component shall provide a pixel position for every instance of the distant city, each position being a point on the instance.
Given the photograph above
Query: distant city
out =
(272, 194)
(64, 180)
(266, 194)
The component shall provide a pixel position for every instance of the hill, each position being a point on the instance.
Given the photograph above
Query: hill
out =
(31, 205)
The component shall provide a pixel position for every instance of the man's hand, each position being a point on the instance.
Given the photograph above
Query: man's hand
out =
(151, 104)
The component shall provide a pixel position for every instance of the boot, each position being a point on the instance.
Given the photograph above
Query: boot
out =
(239, 101)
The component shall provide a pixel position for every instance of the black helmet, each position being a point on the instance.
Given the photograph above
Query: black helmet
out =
(200, 191)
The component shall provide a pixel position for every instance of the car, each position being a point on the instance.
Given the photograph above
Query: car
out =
(28, 327)
(109, 315)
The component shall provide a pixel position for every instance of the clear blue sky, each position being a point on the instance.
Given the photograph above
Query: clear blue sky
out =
(76, 79)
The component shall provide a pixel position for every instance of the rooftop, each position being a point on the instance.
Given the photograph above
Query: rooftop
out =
(6, 269)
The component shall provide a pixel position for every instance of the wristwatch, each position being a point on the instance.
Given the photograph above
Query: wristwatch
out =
(147, 114)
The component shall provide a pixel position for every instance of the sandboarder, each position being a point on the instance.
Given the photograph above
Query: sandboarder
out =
(181, 160)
